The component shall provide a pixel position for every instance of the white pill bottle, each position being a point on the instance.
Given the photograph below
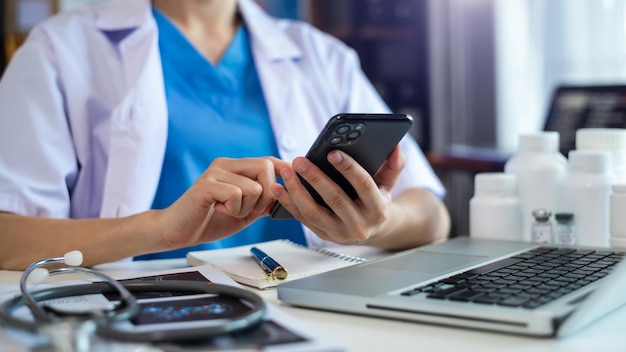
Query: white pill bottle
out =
(539, 168)
(585, 192)
(495, 211)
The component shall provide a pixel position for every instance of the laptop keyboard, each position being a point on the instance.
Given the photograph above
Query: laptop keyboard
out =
(528, 280)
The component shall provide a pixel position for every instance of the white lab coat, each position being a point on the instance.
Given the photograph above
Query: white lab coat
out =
(83, 123)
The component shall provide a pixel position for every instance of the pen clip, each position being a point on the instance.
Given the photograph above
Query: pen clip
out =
(268, 272)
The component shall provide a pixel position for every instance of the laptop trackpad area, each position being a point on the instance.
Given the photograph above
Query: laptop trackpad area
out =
(428, 262)
(381, 277)
(384, 276)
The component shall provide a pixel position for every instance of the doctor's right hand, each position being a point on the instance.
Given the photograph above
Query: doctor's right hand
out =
(228, 196)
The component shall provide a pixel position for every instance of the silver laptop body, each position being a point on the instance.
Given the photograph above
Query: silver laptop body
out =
(379, 288)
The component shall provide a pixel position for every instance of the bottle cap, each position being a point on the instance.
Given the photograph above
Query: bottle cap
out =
(494, 181)
(541, 215)
(539, 142)
(563, 217)
(618, 187)
(612, 139)
(593, 161)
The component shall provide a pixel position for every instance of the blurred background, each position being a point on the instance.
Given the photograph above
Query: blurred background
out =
(473, 73)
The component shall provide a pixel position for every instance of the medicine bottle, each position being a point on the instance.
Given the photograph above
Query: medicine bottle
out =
(495, 211)
(539, 167)
(564, 231)
(611, 140)
(585, 192)
(617, 215)
(541, 228)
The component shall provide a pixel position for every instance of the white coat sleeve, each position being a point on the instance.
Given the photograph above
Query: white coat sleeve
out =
(361, 96)
(37, 157)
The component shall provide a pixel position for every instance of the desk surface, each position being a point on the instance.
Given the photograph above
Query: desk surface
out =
(363, 334)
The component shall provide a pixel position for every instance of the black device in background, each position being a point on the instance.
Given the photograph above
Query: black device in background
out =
(368, 138)
(577, 106)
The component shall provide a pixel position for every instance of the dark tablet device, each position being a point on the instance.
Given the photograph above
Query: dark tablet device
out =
(368, 138)
(593, 106)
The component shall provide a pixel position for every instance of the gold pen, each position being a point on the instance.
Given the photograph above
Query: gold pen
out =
(272, 269)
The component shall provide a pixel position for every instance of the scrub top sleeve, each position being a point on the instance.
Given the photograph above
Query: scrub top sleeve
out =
(37, 157)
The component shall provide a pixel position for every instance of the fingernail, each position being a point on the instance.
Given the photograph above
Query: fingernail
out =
(335, 157)
(285, 173)
(301, 166)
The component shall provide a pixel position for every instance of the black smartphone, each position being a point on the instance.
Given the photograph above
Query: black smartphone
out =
(368, 138)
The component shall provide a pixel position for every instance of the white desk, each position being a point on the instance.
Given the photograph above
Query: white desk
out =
(363, 334)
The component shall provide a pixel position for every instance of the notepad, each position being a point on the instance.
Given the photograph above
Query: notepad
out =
(299, 261)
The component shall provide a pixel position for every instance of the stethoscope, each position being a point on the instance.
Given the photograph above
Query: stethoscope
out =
(103, 321)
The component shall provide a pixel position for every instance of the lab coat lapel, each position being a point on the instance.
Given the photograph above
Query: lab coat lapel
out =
(138, 123)
(276, 82)
(275, 56)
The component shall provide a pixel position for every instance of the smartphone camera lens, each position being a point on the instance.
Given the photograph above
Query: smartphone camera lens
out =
(343, 129)
(335, 140)
(346, 133)
(354, 135)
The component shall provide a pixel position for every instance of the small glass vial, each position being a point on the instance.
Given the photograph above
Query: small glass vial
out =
(541, 229)
(617, 220)
(564, 229)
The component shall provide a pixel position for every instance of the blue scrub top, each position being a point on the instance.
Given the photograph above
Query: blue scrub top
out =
(214, 111)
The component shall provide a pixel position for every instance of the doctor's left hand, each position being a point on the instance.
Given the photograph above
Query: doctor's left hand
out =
(365, 220)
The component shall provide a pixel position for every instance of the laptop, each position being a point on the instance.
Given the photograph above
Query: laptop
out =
(505, 286)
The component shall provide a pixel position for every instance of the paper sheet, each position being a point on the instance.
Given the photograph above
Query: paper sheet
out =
(279, 332)
(299, 261)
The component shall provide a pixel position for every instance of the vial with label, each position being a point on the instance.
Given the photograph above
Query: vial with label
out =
(564, 229)
(541, 228)
(617, 217)
(495, 211)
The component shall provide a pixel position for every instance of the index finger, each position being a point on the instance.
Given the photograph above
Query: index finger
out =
(387, 175)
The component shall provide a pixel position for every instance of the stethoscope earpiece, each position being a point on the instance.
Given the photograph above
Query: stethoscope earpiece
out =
(39, 275)
(73, 258)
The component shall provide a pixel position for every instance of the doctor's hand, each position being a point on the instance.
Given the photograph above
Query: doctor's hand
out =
(367, 220)
(229, 195)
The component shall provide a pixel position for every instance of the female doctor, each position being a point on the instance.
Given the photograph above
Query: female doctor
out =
(138, 128)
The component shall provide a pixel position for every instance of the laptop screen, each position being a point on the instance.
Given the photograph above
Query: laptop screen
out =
(575, 107)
